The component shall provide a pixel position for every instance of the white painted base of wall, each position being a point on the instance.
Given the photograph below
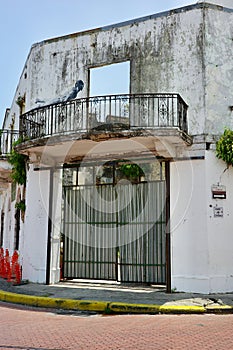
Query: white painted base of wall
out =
(191, 284)
(219, 284)
(201, 242)
(33, 244)
(203, 284)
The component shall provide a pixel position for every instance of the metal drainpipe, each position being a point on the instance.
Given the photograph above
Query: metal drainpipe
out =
(168, 235)
(49, 226)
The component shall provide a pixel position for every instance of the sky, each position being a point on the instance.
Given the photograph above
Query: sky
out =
(25, 22)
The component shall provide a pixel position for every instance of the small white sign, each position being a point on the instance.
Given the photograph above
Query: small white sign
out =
(218, 212)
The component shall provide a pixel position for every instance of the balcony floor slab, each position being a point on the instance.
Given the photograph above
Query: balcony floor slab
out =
(73, 147)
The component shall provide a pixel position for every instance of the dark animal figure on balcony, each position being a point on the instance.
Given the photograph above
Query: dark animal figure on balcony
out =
(74, 92)
(67, 97)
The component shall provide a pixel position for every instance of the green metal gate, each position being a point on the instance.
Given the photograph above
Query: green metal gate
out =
(115, 232)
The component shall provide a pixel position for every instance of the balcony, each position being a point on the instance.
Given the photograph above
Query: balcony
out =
(105, 117)
(7, 139)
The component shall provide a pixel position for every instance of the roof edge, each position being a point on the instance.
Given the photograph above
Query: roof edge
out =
(167, 13)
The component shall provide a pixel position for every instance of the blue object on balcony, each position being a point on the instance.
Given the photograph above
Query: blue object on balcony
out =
(67, 97)
(78, 87)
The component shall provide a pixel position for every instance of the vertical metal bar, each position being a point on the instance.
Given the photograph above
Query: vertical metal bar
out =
(179, 112)
(110, 106)
(168, 235)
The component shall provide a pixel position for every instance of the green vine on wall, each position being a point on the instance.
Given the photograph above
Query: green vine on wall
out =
(224, 147)
(18, 162)
(20, 101)
(21, 205)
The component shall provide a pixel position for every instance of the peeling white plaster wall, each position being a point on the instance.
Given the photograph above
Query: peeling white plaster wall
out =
(189, 52)
(219, 70)
(167, 54)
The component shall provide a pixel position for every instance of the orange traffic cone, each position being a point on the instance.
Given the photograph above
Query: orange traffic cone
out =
(14, 260)
(4, 274)
(7, 255)
(8, 271)
(14, 257)
(17, 273)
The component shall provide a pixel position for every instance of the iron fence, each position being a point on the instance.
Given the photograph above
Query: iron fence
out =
(106, 113)
(7, 139)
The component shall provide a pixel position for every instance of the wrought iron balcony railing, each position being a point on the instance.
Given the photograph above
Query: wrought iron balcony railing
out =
(7, 139)
(106, 113)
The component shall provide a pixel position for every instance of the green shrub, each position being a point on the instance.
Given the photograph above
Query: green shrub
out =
(18, 162)
(224, 147)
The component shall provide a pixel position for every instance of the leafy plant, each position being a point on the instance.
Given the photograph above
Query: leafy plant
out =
(131, 171)
(20, 101)
(21, 205)
(224, 147)
(18, 162)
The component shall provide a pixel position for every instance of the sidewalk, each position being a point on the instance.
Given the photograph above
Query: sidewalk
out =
(113, 298)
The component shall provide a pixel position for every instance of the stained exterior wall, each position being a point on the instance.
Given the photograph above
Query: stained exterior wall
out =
(218, 70)
(187, 51)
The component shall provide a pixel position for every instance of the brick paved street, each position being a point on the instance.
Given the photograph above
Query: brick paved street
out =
(30, 329)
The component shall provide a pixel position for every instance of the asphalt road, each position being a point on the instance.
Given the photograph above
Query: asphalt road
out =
(34, 329)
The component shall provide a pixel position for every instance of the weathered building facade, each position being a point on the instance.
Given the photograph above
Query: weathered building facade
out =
(84, 214)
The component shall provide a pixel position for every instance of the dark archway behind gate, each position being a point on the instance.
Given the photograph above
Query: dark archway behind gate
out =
(115, 232)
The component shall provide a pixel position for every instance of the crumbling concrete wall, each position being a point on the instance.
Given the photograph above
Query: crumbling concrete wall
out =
(174, 51)
(218, 70)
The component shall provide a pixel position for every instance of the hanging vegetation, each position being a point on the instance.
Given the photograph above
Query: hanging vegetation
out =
(20, 101)
(21, 205)
(18, 162)
(224, 147)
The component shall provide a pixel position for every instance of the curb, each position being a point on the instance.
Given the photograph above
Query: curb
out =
(106, 307)
(154, 309)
